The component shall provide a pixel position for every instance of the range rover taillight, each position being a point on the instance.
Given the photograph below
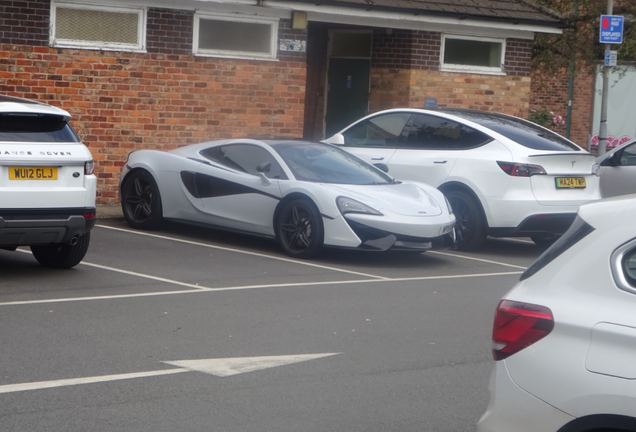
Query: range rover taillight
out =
(89, 167)
(517, 326)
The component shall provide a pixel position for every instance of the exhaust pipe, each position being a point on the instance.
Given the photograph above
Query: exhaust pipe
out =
(73, 241)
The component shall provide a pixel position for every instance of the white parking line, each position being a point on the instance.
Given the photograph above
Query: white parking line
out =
(478, 259)
(247, 287)
(310, 264)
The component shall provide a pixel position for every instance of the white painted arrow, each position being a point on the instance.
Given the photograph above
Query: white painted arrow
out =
(218, 367)
(232, 366)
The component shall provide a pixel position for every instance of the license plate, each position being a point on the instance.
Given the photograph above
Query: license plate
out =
(570, 182)
(32, 173)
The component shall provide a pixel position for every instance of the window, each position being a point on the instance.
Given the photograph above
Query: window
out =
(106, 28)
(17, 127)
(628, 155)
(323, 163)
(437, 133)
(469, 54)
(381, 131)
(521, 131)
(246, 158)
(223, 36)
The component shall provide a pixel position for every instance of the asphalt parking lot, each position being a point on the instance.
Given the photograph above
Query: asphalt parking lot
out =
(348, 342)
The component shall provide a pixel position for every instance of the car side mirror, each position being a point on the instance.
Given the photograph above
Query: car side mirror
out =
(382, 166)
(337, 139)
(264, 167)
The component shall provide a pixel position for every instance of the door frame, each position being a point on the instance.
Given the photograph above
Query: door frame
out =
(330, 56)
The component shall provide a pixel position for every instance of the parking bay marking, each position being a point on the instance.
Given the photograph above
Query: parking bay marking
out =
(200, 289)
(243, 252)
(218, 367)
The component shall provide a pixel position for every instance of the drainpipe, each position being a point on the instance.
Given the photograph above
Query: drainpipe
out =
(568, 119)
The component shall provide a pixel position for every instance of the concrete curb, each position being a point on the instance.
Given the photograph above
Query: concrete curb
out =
(109, 211)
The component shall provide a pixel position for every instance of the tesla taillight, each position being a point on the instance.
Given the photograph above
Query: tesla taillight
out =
(517, 326)
(521, 170)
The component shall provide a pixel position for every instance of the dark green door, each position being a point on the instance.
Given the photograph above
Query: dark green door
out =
(348, 97)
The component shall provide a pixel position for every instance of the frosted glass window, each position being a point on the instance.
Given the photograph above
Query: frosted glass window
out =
(472, 54)
(225, 37)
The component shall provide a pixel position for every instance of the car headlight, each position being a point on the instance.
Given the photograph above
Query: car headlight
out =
(348, 205)
(450, 209)
(89, 167)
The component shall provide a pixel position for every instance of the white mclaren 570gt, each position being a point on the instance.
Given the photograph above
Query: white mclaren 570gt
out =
(306, 195)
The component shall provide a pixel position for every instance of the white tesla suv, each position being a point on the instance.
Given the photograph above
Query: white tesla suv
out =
(47, 185)
(503, 176)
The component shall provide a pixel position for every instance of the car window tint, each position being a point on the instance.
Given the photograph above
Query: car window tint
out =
(35, 128)
(628, 156)
(322, 163)
(524, 132)
(438, 133)
(577, 231)
(380, 131)
(245, 158)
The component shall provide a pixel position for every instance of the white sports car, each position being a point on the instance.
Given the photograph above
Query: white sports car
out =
(307, 195)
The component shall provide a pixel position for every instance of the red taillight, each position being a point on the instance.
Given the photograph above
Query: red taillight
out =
(521, 170)
(517, 326)
(89, 215)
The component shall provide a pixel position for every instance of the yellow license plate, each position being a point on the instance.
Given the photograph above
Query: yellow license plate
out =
(32, 173)
(570, 182)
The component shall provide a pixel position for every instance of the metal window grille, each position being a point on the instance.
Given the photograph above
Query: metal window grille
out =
(96, 25)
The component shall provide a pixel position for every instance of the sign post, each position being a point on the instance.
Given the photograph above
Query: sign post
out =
(610, 32)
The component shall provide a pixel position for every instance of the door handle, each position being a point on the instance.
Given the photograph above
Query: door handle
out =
(377, 158)
(440, 162)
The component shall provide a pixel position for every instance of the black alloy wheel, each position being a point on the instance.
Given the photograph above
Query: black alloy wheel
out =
(470, 227)
(140, 201)
(62, 255)
(299, 229)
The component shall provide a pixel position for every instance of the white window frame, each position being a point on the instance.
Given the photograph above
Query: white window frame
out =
(202, 52)
(449, 67)
(140, 46)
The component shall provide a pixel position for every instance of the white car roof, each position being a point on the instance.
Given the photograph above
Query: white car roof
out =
(9, 104)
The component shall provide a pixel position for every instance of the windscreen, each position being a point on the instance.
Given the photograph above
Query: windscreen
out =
(35, 128)
(524, 132)
(322, 163)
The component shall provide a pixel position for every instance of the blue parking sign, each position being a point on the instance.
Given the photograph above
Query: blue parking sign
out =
(611, 31)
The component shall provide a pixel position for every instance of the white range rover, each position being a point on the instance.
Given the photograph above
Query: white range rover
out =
(47, 185)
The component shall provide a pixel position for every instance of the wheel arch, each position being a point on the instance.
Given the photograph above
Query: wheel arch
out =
(601, 423)
(287, 198)
(454, 185)
(122, 180)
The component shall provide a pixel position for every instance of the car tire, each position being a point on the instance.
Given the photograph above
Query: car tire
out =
(299, 229)
(141, 201)
(544, 240)
(470, 227)
(62, 255)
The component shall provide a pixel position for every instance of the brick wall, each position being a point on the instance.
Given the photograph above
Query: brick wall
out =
(162, 99)
(552, 94)
(405, 71)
